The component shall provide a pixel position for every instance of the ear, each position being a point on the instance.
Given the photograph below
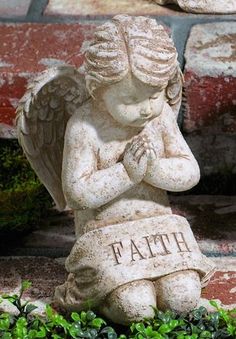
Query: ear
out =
(91, 86)
(174, 90)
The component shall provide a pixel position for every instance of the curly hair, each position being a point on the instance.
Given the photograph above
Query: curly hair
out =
(133, 44)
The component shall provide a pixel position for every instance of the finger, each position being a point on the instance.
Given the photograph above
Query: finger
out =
(140, 137)
(152, 154)
(144, 137)
(139, 154)
(143, 163)
(136, 141)
(134, 148)
(146, 145)
(148, 153)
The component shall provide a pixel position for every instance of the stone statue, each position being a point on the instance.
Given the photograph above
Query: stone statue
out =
(203, 6)
(104, 140)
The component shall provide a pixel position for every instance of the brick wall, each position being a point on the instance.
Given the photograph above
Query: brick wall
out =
(36, 34)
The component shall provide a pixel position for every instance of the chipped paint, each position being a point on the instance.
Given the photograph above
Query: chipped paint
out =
(2, 82)
(104, 7)
(211, 49)
(5, 64)
(51, 62)
(38, 47)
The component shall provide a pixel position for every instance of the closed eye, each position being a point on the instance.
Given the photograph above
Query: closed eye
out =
(155, 96)
(132, 102)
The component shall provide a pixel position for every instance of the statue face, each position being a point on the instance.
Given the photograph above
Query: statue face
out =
(133, 103)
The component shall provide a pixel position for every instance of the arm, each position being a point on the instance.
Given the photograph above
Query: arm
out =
(178, 170)
(84, 186)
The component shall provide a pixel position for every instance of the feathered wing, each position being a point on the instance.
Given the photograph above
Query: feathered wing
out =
(41, 120)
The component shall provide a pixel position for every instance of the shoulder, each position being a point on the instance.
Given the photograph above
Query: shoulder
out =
(80, 124)
(165, 120)
(168, 118)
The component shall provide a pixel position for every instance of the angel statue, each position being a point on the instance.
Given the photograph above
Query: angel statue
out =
(104, 141)
(203, 6)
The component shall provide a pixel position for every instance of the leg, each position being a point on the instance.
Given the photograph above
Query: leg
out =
(178, 291)
(130, 302)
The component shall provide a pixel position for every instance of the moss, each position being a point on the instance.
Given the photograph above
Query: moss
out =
(23, 198)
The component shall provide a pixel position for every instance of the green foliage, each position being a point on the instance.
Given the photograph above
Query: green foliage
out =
(196, 325)
(23, 199)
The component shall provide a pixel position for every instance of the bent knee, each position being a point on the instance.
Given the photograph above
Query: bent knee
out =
(178, 291)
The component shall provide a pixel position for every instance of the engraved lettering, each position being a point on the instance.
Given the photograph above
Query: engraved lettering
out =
(162, 238)
(152, 255)
(135, 251)
(181, 242)
(116, 246)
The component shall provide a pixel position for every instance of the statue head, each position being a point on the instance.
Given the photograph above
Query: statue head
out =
(135, 45)
(133, 59)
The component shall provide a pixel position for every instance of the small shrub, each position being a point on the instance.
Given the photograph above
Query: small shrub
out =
(196, 325)
(23, 199)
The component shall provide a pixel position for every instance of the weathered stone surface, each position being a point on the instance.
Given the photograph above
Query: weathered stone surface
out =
(104, 7)
(210, 78)
(38, 46)
(14, 8)
(140, 250)
(122, 151)
(203, 6)
(210, 96)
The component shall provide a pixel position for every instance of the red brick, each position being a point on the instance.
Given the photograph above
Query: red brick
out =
(27, 49)
(106, 7)
(223, 287)
(210, 101)
(14, 8)
(46, 273)
(210, 74)
(210, 96)
(7, 115)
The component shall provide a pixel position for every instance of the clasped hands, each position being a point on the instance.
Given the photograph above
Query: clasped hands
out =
(138, 155)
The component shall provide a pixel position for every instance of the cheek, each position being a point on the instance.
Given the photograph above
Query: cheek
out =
(125, 113)
(157, 105)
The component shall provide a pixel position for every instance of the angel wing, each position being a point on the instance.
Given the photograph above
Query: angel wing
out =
(41, 120)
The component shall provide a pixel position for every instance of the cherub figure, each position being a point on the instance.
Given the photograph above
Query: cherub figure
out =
(107, 144)
(203, 6)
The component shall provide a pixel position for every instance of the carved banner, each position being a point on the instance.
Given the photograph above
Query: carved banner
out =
(109, 257)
